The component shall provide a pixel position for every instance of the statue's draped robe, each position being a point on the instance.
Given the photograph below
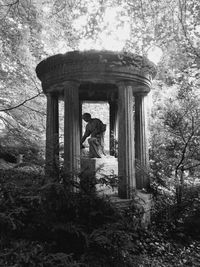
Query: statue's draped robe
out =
(96, 130)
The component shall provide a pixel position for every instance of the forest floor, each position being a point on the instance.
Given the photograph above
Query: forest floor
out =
(153, 247)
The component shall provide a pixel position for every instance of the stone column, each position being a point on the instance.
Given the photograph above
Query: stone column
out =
(71, 128)
(52, 137)
(80, 118)
(113, 118)
(141, 144)
(126, 150)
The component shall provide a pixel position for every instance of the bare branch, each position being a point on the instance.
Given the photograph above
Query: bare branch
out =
(181, 134)
(35, 84)
(190, 167)
(21, 104)
(35, 110)
(184, 150)
(142, 11)
(11, 4)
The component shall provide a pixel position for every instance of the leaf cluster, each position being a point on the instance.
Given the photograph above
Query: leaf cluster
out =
(51, 221)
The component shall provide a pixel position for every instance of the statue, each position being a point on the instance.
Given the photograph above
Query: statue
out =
(96, 130)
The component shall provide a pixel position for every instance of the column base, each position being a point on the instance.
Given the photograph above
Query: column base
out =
(145, 201)
(108, 166)
(142, 203)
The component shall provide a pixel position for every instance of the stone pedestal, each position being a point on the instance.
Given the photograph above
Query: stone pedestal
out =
(71, 128)
(101, 168)
(126, 149)
(52, 138)
(142, 202)
(141, 143)
(145, 201)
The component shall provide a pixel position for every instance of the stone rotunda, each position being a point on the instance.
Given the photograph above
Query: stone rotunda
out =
(121, 79)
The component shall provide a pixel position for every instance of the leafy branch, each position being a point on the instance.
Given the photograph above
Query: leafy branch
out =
(186, 146)
(182, 8)
(10, 6)
(13, 129)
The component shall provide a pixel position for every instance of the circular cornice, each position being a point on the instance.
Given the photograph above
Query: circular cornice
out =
(95, 66)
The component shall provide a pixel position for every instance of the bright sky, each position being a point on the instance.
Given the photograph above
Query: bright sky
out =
(155, 54)
(114, 33)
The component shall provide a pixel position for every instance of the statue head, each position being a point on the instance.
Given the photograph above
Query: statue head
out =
(86, 117)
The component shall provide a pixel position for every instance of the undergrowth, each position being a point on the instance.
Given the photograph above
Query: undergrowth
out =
(49, 224)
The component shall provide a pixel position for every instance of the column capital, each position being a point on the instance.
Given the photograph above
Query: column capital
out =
(71, 83)
(140, 94)
(58, 88)
(136, 87)
(51, 94)
(123, 83)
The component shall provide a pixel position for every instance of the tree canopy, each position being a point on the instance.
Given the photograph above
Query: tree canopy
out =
(32, 30)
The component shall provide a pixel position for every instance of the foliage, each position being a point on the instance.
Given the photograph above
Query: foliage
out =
(32, 253)
(33, 30)
(36, 219)
(21, 122)
(57, 220)
(47, 224)
(175, 138)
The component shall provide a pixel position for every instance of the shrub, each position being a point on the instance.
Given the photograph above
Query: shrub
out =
(49, 224)
(61, 222)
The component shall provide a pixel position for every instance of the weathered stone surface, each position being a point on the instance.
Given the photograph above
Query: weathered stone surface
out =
(100, 167)
(141, 142)
(96, 66)
(142, 202)
(98, 76)
(106, 167)
(52, 137)
(71, 128)
(126, 144)
(145, 201)
(113, 127)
